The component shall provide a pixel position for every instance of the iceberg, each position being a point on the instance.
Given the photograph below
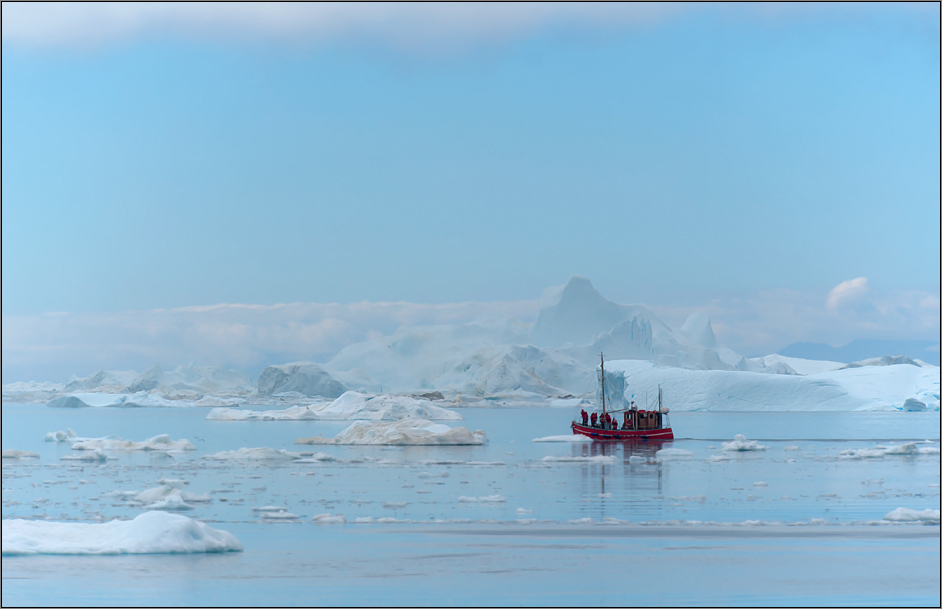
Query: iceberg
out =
(12, 453)
(741, 444)
(404, 432)
(350, 405)
(149, 533)
(306, 378)
(928, 516)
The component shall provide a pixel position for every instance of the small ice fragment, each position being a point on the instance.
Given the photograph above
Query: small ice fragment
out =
(523, 511)
(760, 483)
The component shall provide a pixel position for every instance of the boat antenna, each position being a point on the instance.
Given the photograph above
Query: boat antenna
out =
(602, 355)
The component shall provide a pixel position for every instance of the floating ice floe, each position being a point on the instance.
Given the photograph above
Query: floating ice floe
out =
(404, 432)
(329, 519)
(740, 443)
(149, 533)
(717, 458)
(12, 453)
(254, 454)
(666, 454)
(909, 515)
(60, 436)
(169, 495)
(914, 405)
(349, 406)
(571, 438)
(486, 499)
(598, 459)
(162, 442)
(96, 456)
(878, 451)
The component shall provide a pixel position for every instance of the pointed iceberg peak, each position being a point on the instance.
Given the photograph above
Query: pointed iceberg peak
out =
(574, 313)
(700, 330)
(577, 288)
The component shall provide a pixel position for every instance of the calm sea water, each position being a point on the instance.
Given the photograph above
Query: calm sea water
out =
(498, 524)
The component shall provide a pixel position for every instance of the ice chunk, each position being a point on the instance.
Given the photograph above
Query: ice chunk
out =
(96, 455)
(740, 443)
(60, 436)
(486, 499)
(169, 495)
(161, 442)
(149, 533)
(329, 519)
(12, 453)
(571, 438)
(914, 405)
(279, 515)
(909, 515)
(672, 453)
(254, 454)
(404, 432)
(351, 405)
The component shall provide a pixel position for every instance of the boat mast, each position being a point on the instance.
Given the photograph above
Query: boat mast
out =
(602, 355)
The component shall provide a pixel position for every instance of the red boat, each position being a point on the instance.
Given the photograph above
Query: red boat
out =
(636, 424)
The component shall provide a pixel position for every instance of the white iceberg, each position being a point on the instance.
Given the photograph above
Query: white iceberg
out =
(486, 499)
(169, 495)
(162, 442)
(329, 519)
(909, 515)
(12, 453)
(667, 454)
(404, 432)
(740, 443)
(149, 533)
(351, 405)
(60, 436)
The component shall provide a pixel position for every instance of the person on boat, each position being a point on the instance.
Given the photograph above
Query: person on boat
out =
(608, 421)
(627, 422)
(595, 417)
(585, 417)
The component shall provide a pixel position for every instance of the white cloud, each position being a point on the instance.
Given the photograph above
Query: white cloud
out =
(848, 292)
(404, 25)
(410, 26)
(249, 337)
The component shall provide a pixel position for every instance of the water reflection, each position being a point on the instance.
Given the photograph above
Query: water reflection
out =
(634, 462)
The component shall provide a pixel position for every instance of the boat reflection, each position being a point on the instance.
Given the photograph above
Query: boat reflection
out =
(634, 459)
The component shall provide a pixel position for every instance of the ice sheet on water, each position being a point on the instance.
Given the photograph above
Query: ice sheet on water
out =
(909, 515)
(740, 443)
(169, 495)
(909, 448)
(96, 455)
(570, 438)
(254, 454)
(12, 453)
(161, 442)
(329, 519)
(349, 406)
(404, 432)
(149, 533)
(666, 454)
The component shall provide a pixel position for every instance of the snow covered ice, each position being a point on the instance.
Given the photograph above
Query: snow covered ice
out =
(350, 405)
(149, 533)
(404, 432)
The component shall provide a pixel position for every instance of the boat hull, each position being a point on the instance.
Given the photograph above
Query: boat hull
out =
(622, 434)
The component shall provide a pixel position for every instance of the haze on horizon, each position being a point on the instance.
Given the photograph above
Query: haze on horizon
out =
(775, 165)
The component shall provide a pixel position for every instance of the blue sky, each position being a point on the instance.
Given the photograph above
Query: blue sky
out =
(677, 158)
